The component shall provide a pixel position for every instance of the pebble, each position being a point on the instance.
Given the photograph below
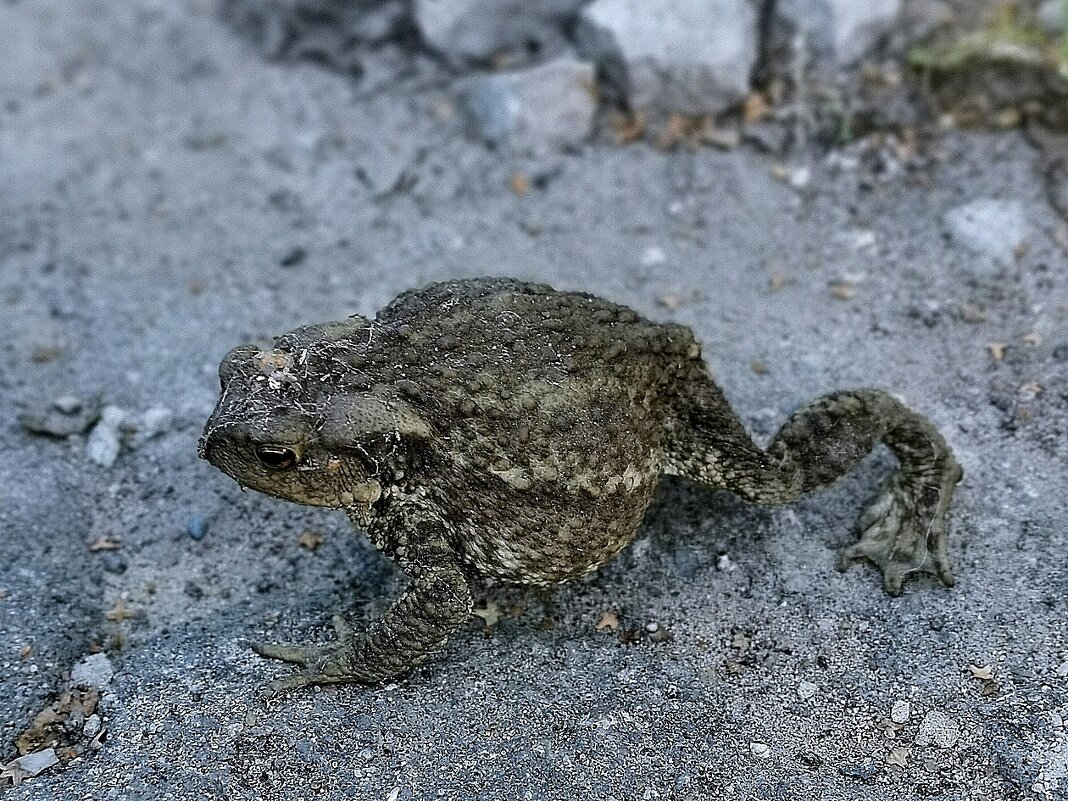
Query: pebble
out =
(38, 762)
(102, 447)
(656, 632)
(761, 750)
(938, 729)
(548, 106)
(196, 527)
(900, 712)
(799, 177)
(1062, 669)
(113, 562)
(989, 227)
(687, 56)
(835, 32)
(725, 563)
(94, 671)
(92, 727)
(806, 689)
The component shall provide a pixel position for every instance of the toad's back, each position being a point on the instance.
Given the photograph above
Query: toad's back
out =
(515, 332)
(549, 405)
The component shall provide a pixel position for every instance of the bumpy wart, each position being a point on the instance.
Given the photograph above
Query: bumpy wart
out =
(494, 428)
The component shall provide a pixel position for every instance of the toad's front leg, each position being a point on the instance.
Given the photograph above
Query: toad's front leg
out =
(436, 603)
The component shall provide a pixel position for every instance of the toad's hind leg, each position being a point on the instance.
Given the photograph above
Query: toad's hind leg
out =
(902, 531)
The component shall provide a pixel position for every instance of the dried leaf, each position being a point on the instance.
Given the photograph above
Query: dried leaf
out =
(105, 542)
(997, 350)
(120, 612)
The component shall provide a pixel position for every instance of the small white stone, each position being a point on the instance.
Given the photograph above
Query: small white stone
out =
(1062, 669)
(800, 177)
(725, 563)
(806, 689)
(863, 240)
(102, 446)
(93, 671)
(92, 727)
(900, 712)
(760, 750)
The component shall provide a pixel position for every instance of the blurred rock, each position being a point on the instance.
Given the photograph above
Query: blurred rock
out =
(504, 32)
(196, 527)
(153, 422)
(62, 417)
(329, 32)
(687, 56)
(550, 106)
(102, 447)
(832, 33)
(989, 227)
(1051, 16)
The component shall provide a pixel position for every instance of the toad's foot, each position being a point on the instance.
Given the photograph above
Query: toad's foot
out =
(903, 531)
(325, 664)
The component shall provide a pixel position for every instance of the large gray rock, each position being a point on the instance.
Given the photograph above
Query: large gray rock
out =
(662, 56)
(549, 106)
(833, 32)
(502, 31)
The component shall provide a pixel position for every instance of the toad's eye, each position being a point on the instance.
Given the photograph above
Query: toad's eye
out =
(276, 457)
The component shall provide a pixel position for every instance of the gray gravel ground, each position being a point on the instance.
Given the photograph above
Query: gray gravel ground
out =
(165, 194)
